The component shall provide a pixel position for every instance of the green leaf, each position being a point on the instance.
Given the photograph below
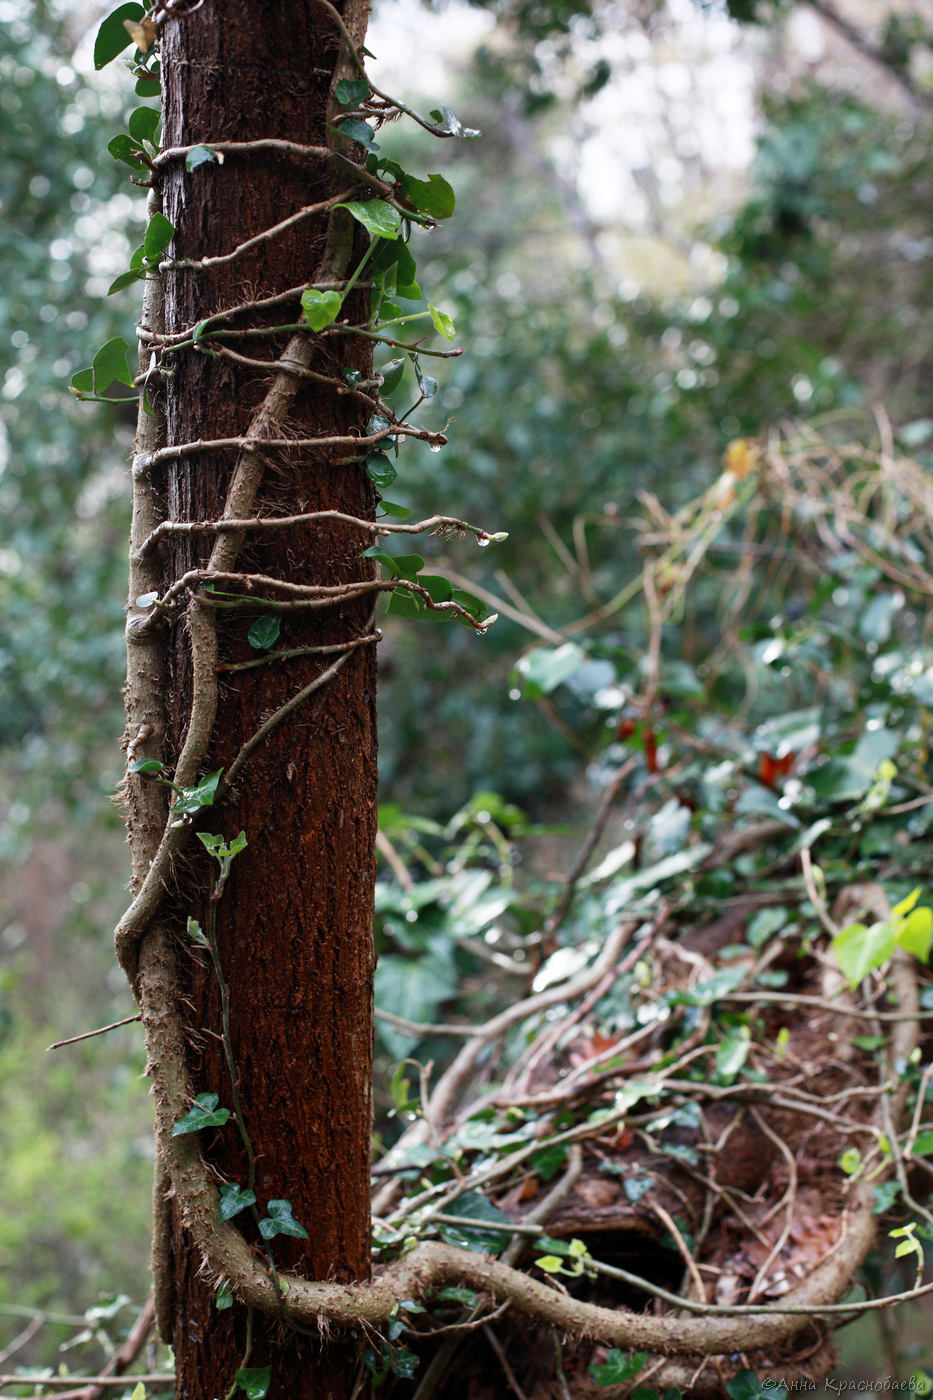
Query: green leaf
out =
(745, 1385)
(545, 668)
(849, 1161)
(915, 934)
(148, 87)
(732, 1052)
(478, 1207)
(860, 948)
(377, 217)
(147, 766)
(254, 1381)
(201, 155)
(124, 280)
(111, 364)
(392, 374)
(124, 148)
(457, 1294)
(233, 1199)
(280, 1221)
(143, 123)
(433, 196)
(196, 933)
(224, 1298)
(380, 469)
(908, 903)
(395, 512)
(138, 1392)
(350, 92)
(159, 234)
(321, 308)
(358, 131)
(923, 1143)
(264, 632)
(194, 798)
(617, 1367)
(442, 322)
(204, 1114)
(452, 124)
(112, 38)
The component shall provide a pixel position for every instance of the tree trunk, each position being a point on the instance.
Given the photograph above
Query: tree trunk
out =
(294, 925)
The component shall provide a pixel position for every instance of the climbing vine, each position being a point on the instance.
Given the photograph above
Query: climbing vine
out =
(448, 1256)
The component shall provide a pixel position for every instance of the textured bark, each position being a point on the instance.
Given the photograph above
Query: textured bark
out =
(295, 921)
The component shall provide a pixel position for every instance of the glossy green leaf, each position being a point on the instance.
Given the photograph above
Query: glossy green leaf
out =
(224, 1297)
(477, 1207)
(233, 1199)
(380, 469)
(147, 766)
(143, 124)
(159, 234)
(395, 512)
(264, 632)
(202, 795)
(254, 1381)
(148, 87)
(433, 196)
(112, 38)
(124, 148)
(204, 1114)
(125, 279)
(392, 374)
(377, 217)
(442, 322)
(355, 130)
(321, 308)
(280, 1221)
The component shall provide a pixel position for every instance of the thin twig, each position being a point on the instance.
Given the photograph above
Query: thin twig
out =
(101, 1030)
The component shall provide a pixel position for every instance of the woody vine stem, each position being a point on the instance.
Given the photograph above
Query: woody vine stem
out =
(165, 807)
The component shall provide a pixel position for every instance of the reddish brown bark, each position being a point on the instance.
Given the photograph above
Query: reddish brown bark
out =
(295, 922)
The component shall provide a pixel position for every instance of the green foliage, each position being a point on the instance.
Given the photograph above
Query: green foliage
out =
(203, 1114)
(254, 1381)
(860, 948)
(617, 1367)
(280, 1221)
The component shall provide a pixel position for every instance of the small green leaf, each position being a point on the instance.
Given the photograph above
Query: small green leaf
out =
(159, 234)
(392, 374)
(915, 934)
(124, 148)
(196, 933)
(442, 322)
(432, 196)
(111, 364)
(148, 87)
(125, 279)
(264, 632)
(147, 766)
(380, 470)
(254, 1381)
(732, 1052)
(280, 1221)
(233, 1199)
(350, 92)
(745, 1385)
(204, 1114)
(550, 1264)
(396, 512)
(201, 155)
(849, 1161)
(321, 308)
(112, 38)
(143, 124)
(377, 217)
(358, 131)
(194, 798)
(617, 1367)
(224, 1298)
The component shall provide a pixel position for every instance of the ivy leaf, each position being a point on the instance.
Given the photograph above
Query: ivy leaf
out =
(110, 365)
(112, 38)
(432, 196)
(264, 632)
(194, 798)
(859, 948)
(350, 92)
(125, 279)
(442, 322)
(321, 308)
(143, 123)
(396, 512)
(200, 156)
(377, 217)
(379, 469)
(617, 1367)
(392, 375)
(254, 1381)
(478, 1207)
(147, 766)
(280, 1221)
(204, 1114)
(159, 234)
(224, 1299)
(355, 130)
(233, 1199)
(196, 933)
(745, 1385)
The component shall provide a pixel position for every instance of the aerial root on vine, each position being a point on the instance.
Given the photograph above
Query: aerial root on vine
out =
(261, 444)
(219, 259)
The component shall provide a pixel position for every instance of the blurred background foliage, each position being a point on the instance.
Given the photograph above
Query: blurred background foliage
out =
(685, 223)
